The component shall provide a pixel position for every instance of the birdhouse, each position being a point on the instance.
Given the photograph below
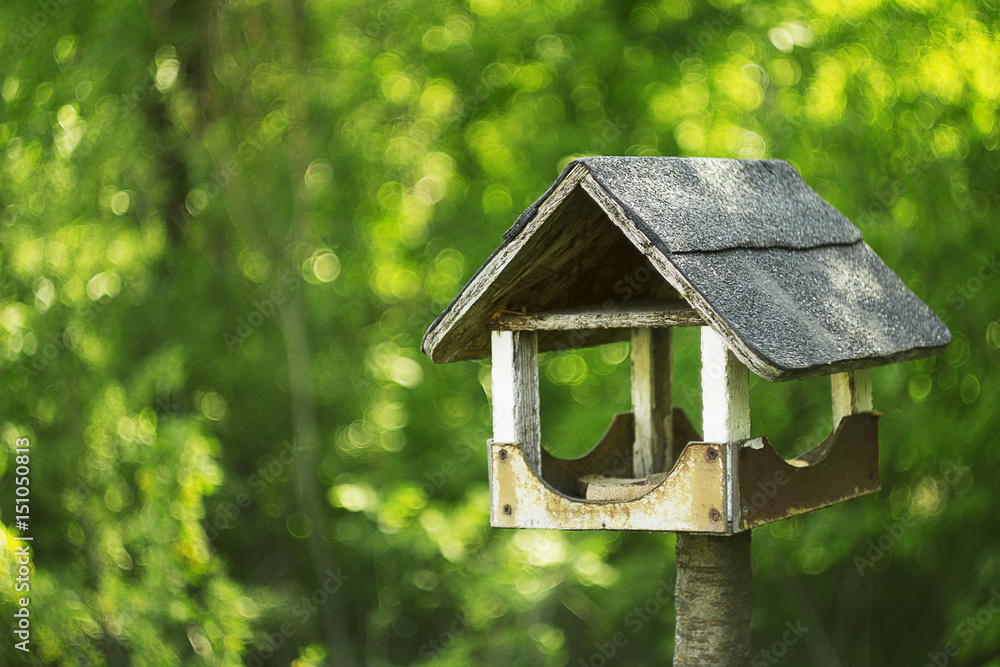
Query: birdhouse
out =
(626, 248)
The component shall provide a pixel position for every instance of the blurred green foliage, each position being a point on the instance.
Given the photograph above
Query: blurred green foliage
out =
(224, 227)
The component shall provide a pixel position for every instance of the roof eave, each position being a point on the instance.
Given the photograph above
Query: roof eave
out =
(435, 343)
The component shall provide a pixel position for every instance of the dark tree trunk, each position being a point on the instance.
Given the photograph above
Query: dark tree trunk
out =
(713, 600)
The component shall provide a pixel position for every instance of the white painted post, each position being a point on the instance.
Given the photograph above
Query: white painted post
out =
(515, 393)
(725, 391)
(652, 406)
(852, 393)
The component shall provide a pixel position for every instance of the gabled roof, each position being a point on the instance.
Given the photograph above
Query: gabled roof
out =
(783, 277)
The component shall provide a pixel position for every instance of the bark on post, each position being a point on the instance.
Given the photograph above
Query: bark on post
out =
(713, 601)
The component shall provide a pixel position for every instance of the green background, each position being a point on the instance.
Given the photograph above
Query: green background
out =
(225, 227)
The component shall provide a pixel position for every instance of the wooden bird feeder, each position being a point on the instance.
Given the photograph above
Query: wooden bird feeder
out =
(782, 285)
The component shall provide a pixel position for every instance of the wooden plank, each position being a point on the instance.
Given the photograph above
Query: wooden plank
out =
(651, 401)
(599, 487)
(515, 393)
(852, 393)
(649, 314)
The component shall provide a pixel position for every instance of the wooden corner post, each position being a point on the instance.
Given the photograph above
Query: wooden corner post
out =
(713, 573)
(852, 393)
(515, 393)
(651, 401)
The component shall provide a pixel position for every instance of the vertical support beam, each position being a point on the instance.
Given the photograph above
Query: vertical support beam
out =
(652, 405)
(725, 391)
(852, 393)
(515, 393)
(725, 407)
(713, 573)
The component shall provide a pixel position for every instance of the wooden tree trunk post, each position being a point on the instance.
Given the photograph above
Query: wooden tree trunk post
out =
(515, 393)
(651, 401)
(713, 599)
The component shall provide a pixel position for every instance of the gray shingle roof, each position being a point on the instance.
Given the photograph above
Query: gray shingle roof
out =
(699, 204)
(783, 276)
(802, 310)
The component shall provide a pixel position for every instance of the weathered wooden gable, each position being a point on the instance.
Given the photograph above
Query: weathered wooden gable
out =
(744, 246)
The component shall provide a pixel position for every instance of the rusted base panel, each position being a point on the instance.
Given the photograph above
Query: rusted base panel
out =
(844, 466)
(694, 496)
